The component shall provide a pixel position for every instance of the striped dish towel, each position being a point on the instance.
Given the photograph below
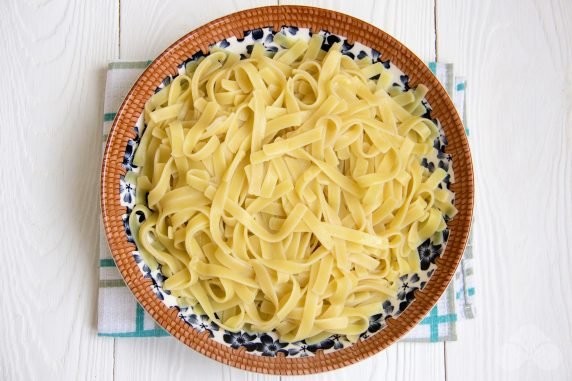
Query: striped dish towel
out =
(119, 314)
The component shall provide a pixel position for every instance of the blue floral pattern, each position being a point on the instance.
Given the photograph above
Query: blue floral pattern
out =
(202, 323)
(268, 344)
(241, 339)
(428, 253)
(126, 192)
(128, 155)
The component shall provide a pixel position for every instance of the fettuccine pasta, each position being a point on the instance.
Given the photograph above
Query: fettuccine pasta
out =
(286, 193)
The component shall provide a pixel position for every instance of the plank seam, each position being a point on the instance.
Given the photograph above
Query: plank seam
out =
(435, 4)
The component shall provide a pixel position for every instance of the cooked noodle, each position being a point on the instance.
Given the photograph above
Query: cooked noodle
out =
(286, 193)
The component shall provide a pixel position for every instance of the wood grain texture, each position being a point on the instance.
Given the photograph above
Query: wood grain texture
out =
(167, 359)
(417, 32)
(517, 56)
(401, 361)
(52, 70)
(149, 27)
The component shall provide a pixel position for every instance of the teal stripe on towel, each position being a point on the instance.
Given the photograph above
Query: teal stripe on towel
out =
(107, 262)
(434, 319)
(109, 116)
(147, 333)
(433, 67)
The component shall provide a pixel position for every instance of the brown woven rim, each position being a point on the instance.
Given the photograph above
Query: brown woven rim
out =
(316, 19)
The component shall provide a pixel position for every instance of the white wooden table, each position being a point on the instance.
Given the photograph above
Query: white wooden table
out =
(517, 55)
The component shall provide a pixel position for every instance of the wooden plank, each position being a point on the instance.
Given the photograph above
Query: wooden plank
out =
(52, 70)
(165, 358)
(411, 22)
(402, 361)
(148, 28)
(517, 57)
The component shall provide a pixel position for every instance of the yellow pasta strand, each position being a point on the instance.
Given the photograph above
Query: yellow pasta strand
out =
(286, 193)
